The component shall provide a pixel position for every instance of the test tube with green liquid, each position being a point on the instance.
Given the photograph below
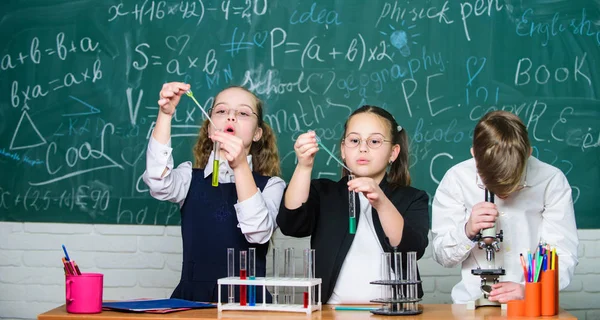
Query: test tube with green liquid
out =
(215, 173)
(216, 147)
(351, 208)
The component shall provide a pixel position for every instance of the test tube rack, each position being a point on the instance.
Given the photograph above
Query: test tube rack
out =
(272, 282)
(398, 306)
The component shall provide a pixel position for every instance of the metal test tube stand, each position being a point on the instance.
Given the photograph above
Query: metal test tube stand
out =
(398, 296)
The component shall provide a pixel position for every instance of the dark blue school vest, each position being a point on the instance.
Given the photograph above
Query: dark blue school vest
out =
(208, 227)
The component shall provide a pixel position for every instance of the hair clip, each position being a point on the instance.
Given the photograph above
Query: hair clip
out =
(399, 128)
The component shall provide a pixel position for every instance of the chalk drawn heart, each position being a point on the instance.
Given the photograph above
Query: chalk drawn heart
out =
(131, 155)
(173, 42)
(321, 80)
(474, 61)
(260, 38)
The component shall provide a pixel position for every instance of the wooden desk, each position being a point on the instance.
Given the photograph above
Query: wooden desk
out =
(430, 311)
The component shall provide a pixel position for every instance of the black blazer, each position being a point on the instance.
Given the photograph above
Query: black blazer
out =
(324, 216)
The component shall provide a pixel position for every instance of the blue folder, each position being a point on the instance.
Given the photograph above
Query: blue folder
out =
(155, 305)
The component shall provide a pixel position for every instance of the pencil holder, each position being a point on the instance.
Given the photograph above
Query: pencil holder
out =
(516, 308)
(84, 293)
(549, 289)
(533, 293)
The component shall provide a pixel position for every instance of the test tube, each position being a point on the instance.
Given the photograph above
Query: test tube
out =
(309, 273)
(231, 273)
(351, 208)
(386, 264)
(275, 274)
(215, 173)
(242, 277)
(252, 276)
(398, 272)
(290, 271)
(411, 274)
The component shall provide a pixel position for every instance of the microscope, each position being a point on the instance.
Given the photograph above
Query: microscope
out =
(488, 240)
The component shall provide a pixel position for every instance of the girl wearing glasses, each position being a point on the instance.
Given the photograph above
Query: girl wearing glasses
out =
(240, 212)
(392, 216)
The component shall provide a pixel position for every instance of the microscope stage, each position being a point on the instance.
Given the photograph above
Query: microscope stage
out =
(488, 272)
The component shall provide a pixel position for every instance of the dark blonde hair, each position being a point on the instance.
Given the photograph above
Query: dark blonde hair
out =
(501, 148)
(265, 157)
(398, 175)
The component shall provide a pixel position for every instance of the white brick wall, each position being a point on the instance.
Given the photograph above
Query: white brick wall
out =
(145, 262)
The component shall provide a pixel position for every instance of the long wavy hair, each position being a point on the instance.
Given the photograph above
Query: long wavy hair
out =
(265, 157)
(398, 173)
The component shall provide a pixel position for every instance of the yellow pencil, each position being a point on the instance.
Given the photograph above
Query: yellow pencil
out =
(553, 258)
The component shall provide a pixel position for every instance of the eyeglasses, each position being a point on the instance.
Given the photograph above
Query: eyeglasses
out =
(373, 142)
(241, 113)
(521, 186)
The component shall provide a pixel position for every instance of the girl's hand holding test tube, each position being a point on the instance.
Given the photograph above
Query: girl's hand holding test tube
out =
(233, 148)
(370, 189)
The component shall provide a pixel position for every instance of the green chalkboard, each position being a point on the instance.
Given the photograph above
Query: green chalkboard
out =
(79, 82)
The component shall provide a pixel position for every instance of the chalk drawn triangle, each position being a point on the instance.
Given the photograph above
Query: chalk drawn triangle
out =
(90, 109)
(27, 133)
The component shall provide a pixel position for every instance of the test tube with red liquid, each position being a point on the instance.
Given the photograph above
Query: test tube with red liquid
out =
(309, 273)
(243, 277)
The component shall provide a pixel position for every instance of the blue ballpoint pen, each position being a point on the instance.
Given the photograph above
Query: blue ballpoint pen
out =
(66, 254)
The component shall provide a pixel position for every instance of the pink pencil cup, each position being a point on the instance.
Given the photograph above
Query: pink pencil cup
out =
(84, 293)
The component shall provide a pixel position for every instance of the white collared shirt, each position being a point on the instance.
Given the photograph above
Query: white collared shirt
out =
(542, 211)
(256, 215)
(362, 263)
